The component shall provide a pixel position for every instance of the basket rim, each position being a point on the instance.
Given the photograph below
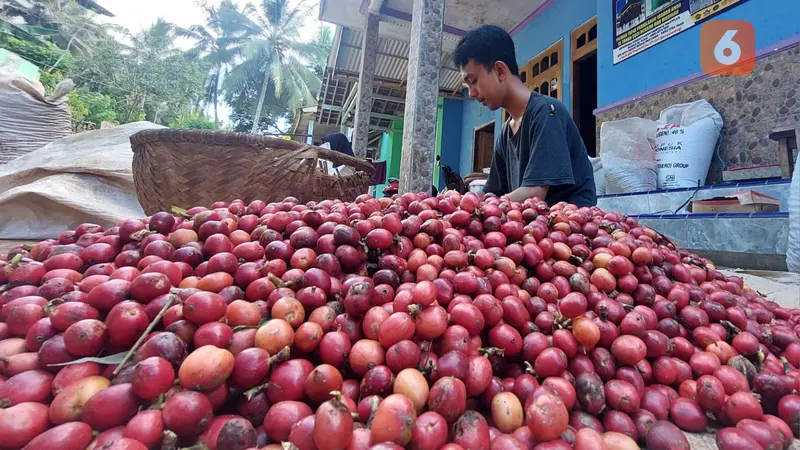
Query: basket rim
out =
(230, 138)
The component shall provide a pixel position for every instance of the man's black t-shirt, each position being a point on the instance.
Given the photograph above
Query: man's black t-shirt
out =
(547, 150)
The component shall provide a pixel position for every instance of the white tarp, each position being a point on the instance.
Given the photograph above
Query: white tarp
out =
(84, 177)
(28, 118)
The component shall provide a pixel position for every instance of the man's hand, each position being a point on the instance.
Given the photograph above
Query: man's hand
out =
(521, 194)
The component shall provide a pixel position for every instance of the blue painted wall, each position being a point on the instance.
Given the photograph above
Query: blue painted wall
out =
(673, 59)
(474, 115)
(452, 111)
(554, 23)
(679, 56)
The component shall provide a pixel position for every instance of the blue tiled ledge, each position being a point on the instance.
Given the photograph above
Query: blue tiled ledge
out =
(675, 201)
(709, 187)
(764, 233)
(758, 215)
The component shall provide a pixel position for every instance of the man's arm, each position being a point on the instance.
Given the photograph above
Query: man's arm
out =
(523, 193)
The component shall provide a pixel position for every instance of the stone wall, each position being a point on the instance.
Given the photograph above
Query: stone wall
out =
(419, 123)
(751, 107)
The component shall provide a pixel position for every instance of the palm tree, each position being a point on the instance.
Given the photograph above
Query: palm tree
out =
(275, 55)
(156, 42)
(323, 41)
(219, 42)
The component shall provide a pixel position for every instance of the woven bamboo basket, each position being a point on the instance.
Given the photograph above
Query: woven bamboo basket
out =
(189, 168)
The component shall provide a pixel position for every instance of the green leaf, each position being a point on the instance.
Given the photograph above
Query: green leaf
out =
(179, 211)
(114, 360)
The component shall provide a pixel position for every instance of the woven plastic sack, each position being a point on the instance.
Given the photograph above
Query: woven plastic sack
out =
(29, 119)
(84, 177)
(599, 176)
(793, 250)
(686, 137)
(627, 151)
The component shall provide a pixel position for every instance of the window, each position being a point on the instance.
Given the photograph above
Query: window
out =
(584, 39)
(545, 71)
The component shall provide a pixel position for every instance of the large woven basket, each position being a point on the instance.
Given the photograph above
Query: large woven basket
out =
(189, 168)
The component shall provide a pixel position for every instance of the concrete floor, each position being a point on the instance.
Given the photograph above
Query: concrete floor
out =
(781, 287)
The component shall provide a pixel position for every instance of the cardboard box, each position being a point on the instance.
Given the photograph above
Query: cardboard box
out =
(743, 202)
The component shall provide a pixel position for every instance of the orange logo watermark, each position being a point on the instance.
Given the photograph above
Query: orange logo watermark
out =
(727, 47)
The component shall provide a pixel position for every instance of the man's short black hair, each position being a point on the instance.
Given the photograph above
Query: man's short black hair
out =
(486, 45)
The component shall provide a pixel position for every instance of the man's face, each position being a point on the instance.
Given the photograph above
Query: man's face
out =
(484, 85)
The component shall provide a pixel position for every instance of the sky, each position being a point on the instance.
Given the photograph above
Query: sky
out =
(136, 15)
(139, 14)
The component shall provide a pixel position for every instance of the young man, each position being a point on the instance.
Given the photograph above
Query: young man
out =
(540, 152)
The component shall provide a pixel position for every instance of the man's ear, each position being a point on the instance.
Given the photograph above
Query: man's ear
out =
(502, 70)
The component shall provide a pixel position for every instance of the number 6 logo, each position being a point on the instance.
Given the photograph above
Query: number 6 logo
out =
(728, 44)
(727, 47)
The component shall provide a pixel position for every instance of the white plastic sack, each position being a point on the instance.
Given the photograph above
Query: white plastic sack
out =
(686, 138)
(627, 151)
(599, 176)
(793, 251)
(28, 119)
(84, 177)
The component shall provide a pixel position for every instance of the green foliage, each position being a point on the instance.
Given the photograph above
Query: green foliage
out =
(217, 43)
(51, 60)
(191, 121)
(249, 57)
(66, 23)
(243, 105)
(323, 42)
(274, 58)
(50, 80)
(90, 109)
(149, 79)
(43, 54)
(25, 32)
(78, 108)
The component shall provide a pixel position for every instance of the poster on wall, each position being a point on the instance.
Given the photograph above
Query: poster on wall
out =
(641, 24)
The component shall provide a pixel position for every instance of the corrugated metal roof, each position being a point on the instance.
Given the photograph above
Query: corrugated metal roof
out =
(388, 102)
(392, 64)
(341, 78)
